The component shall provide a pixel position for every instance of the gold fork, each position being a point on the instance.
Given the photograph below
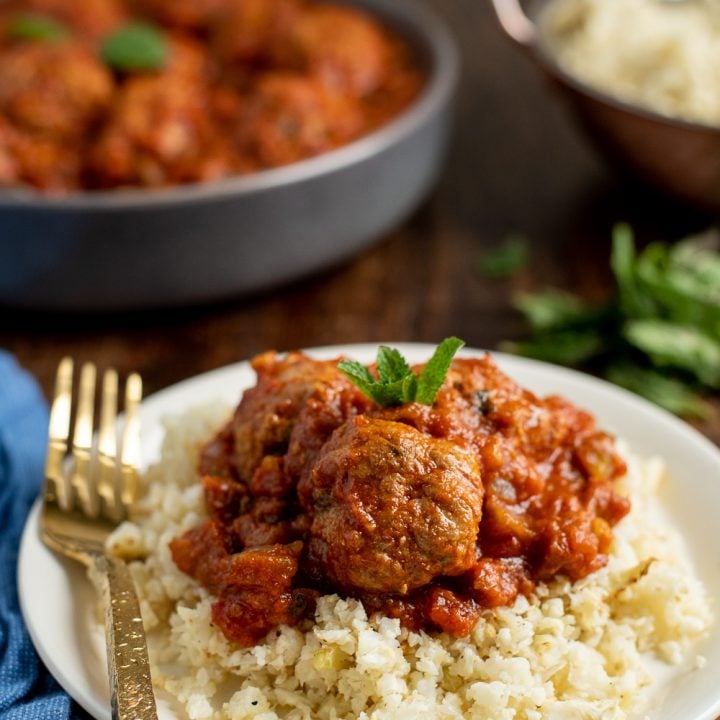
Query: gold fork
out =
(84, 498)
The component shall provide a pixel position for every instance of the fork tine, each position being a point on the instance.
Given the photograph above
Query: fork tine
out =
(107, 447)
(130, 453)
(56, 485)
(83, 439)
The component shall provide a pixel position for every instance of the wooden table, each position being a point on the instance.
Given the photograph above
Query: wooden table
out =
(517, 163)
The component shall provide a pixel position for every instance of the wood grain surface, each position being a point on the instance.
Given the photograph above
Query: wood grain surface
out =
(517, 163)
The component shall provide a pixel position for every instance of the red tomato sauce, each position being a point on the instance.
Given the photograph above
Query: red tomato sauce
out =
(429, 514)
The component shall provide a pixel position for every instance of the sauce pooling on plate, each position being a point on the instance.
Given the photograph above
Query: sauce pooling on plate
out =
(145, 93)
(425, 513)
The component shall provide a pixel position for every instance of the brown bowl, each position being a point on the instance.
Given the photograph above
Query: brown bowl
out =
(677, 156)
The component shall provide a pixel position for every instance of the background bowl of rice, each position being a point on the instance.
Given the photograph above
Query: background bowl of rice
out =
(562, 654)
(641, 76)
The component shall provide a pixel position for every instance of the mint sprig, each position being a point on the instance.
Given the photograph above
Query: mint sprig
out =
(396, 383)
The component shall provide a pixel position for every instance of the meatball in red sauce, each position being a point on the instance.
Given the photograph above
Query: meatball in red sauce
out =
(391, 507)
(289, 117)
(428, 514)
(52, 95)
(343, 47)
(100, 94)
(252, 33)
(158, 136)
(55, 89)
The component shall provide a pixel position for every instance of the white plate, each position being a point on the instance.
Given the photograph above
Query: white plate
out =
(56, 598)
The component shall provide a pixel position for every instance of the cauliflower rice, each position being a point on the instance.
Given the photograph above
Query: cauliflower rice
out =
(659, 54)
(569, 651)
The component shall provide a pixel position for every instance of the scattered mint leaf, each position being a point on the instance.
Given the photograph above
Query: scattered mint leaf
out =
(396, 383)
(137, 47)
(507, 259)
(553, 309)
(31, 26)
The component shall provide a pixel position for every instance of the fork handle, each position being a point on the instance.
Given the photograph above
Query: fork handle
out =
(131, 688)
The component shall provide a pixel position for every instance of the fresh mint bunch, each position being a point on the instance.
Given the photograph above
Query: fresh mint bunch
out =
(659, 335)
(396, 383)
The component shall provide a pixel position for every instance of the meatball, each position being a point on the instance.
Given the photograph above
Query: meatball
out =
(158, 134)
(9, 174)
(295, 398)
(57, 89)
(289, 117)
(343, 47)
(393, 508)
(49, 164)
(185, 14)
(250, 31)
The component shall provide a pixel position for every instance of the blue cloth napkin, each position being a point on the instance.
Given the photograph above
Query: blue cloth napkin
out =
(27, 690)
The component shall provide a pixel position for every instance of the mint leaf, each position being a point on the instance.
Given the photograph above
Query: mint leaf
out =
(389, 394)
(359, 375)
(683, 290)
(506, 259)
(409, 388)
(137, 47)
(434, 372)
(700, 255)
(391, 365)
(554, 309)
(681, 346)
(633, 301)
(30, 26)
